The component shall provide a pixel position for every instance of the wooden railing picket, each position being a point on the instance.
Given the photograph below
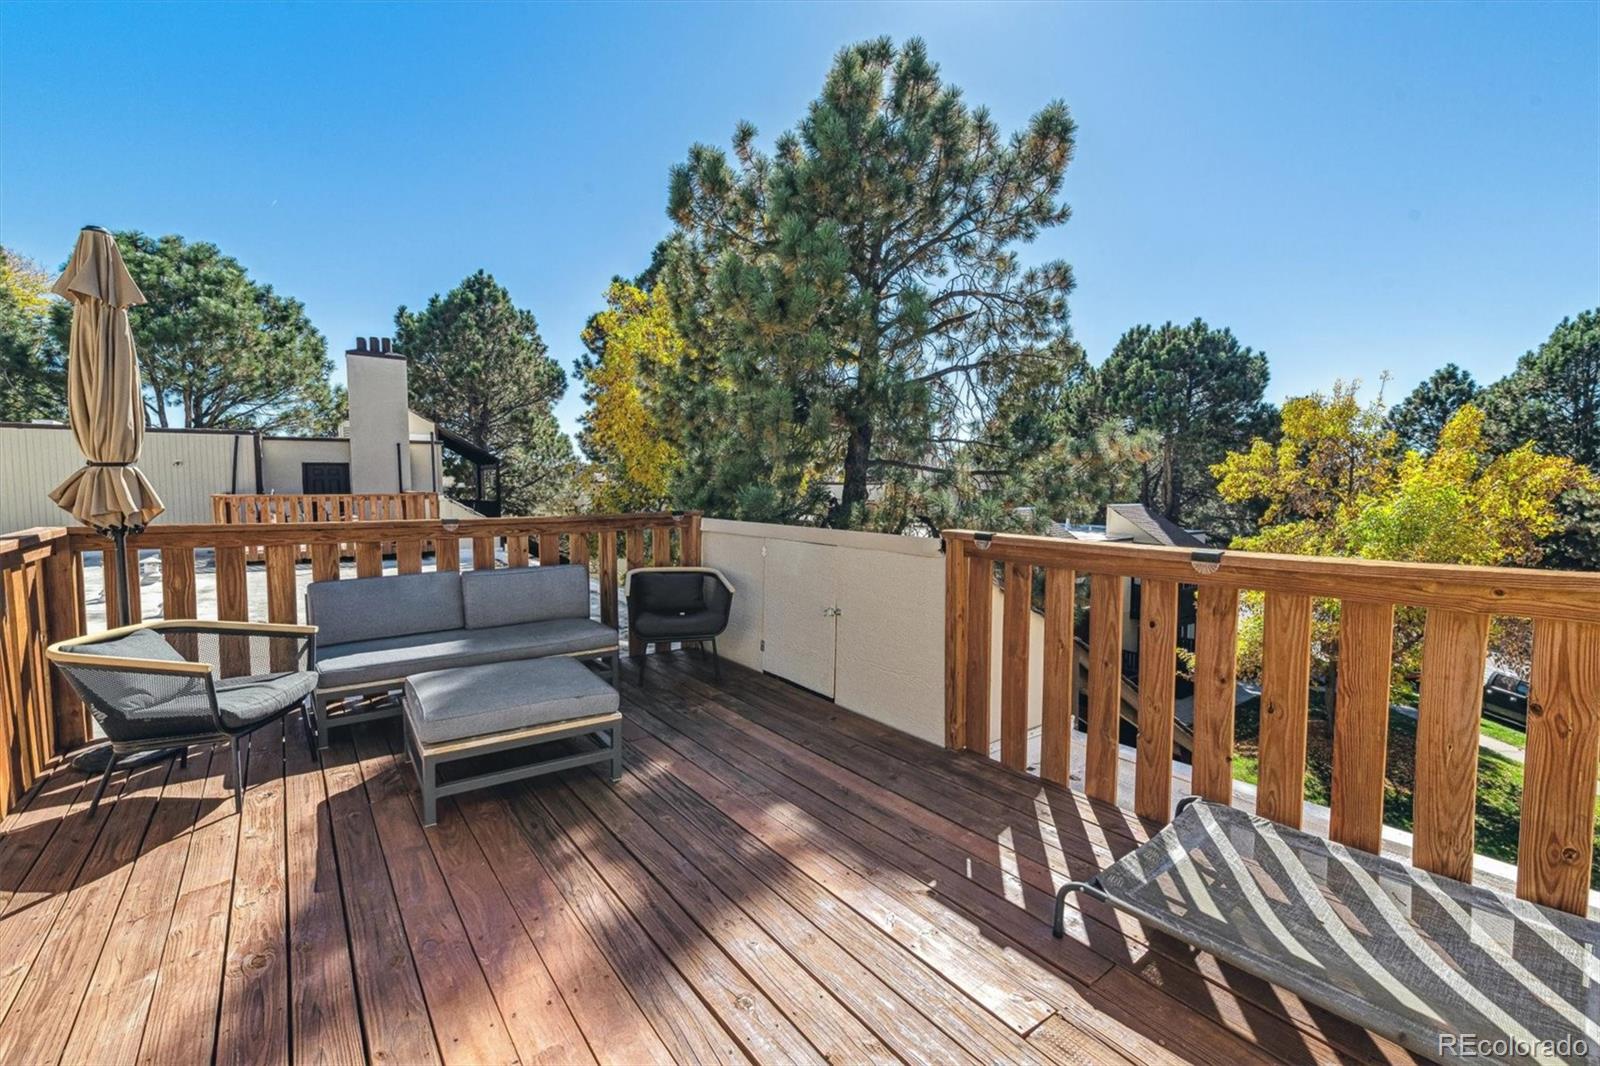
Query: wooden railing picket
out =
(1555, 848)
(1285, 707)
(1216, 654)
(980, 633)
(606, 547)
(1057, 694)
(233, 605)
(1014, 640)
(1106, 607)
(517, 551)
(325, 562)
(634, 557)
(64, 618)
(1361, 723)
(1158, 678)
(282, 603)
(1455, 647)
(483, 553)
(178, 595)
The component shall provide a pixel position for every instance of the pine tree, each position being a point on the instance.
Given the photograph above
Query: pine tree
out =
(1421, 417)
(479, 367)
(858, 293)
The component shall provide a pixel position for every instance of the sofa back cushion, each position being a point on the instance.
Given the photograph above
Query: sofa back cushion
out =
(370, 608)
(521, 594)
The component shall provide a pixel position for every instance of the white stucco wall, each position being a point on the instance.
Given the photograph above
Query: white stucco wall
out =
(380, 423)
(889, 633)
(281, 458)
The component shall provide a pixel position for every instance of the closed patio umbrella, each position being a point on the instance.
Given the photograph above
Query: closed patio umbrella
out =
(105, 401)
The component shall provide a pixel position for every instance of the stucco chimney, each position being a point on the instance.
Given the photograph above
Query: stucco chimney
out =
(375, 375)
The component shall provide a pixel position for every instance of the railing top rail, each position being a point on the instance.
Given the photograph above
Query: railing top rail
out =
(13, 546)
(1563, 594)
(248, 535)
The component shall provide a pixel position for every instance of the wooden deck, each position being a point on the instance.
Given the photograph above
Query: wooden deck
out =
(776, 880)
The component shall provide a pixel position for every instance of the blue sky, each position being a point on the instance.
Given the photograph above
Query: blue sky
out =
(1353, 188)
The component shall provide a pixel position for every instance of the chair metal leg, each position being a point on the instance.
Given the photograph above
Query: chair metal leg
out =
(616, 752)
(183, 759)
(240, 752)
(100, 789)
(642, 658)
(319, 706)
(305, 720)
(716, 660)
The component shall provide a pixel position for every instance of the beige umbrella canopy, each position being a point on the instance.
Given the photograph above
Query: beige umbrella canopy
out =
(103, 391)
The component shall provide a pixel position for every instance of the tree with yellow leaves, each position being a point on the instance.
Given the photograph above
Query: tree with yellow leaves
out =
(634, 337)
(1338, 483)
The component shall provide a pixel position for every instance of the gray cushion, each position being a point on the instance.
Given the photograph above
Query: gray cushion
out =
(452, 704)
(369, 661)
(524, 594)
(128, 691)
(244, 700)
(698, 623)
(371, 608)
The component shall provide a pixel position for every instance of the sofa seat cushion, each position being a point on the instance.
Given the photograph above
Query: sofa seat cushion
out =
(691, 623)
(391, 658)
(446, 705)
(243, 701)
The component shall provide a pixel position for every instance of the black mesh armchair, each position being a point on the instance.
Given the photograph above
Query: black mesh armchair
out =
(168, 684)
(683, 603)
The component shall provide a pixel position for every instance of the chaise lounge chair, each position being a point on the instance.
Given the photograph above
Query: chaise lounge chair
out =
(1451, 971)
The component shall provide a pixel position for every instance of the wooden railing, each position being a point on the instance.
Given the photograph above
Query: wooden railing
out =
(40, 598)
(1556, 836)
(244, 508)
(43, 577)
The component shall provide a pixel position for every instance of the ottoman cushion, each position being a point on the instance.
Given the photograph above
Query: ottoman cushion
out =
(475, 701)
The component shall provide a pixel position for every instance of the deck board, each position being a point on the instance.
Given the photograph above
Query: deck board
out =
(775, 879)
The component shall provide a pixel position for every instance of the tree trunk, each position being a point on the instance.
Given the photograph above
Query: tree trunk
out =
(857, 456)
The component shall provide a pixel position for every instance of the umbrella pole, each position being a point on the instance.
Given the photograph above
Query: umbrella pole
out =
(94, 760)
(119, 541)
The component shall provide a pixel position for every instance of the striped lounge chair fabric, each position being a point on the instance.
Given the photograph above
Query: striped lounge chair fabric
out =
(1452, 971)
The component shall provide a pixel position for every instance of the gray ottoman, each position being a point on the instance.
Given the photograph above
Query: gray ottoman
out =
(475, 711)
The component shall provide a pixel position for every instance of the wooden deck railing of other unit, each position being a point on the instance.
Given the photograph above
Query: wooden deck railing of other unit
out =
(242, 508)
(42, 579)
(302, 508)
(1556, 833)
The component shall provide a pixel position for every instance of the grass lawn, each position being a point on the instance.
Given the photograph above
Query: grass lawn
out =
(1504, 733)
(1499, 778)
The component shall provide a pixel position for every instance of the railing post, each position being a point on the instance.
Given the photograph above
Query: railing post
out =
(955, 643)
(63, 621)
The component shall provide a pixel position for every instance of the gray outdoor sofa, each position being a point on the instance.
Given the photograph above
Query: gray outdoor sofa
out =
(373, 633)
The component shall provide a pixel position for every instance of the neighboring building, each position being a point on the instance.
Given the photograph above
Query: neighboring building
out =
(383, 447)
(1138, 524)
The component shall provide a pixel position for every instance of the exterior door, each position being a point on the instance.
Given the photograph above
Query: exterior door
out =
(800, 620)
(325, 479)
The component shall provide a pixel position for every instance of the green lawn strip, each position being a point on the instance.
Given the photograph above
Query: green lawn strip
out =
(1499, 803)
(1505, 733)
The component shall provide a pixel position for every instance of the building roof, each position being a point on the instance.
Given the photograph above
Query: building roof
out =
(463, 447)
(1158, 527)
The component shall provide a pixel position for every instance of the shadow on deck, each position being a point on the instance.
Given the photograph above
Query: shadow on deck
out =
(775, 879)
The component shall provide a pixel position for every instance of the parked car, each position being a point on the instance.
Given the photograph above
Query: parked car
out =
(1505, 699)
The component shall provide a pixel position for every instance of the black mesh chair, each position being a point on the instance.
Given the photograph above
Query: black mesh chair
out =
(683, 603)
(169, 684)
